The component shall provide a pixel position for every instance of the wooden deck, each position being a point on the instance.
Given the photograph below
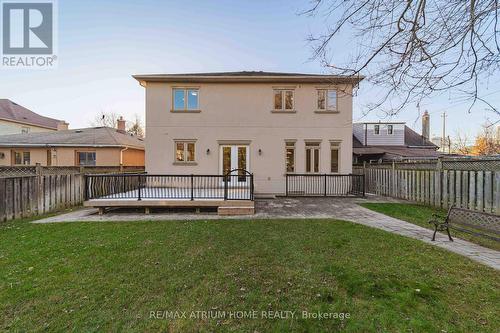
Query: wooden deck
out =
(224, 207)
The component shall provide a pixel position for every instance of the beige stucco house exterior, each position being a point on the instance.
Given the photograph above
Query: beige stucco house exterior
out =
(94, 146)
(16, 119)
(267, 123)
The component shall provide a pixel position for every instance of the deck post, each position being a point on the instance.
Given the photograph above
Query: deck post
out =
(251, 187)
(324, 192)
(286, 184)
(139, 189)
(225, 187)
(192, 187)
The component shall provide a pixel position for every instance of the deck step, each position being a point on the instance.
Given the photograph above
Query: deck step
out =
(235, 210)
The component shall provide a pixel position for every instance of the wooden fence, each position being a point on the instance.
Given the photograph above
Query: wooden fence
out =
(465, 183)
(30, 191)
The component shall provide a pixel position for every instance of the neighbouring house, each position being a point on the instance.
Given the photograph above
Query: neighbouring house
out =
(269, 124)
(95, 146)
(386, 141)
(15, 119)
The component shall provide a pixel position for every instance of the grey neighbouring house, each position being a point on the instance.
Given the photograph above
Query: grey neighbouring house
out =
(390, 141)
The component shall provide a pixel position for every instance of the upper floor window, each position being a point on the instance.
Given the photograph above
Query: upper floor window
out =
(185, 99)
(390, 129)
(22, 158)
(86, 158)
(184, 152)
(25, 130)
(290, 156)
(376, 129)
(283, 100)
(327, 100)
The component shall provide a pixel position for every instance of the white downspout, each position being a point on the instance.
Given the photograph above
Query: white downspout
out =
(121, 155)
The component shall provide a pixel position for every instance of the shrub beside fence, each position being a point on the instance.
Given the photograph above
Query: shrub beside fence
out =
(30, 191)
(466, 183)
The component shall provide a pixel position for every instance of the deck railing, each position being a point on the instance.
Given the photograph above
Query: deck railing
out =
(183, 187)
(327, 185)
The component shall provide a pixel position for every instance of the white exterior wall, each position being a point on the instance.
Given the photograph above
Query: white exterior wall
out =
(242, 112)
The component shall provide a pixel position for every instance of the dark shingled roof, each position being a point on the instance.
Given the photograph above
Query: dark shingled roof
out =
(90, 137)
(414, 139)
(248, 76)
(15, 112)
(242, 73)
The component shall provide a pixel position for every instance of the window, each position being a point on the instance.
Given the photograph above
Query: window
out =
(376, 129)
(390, 129)
(283, 100)
(184, 151)
(290, 156)
(334, 156)
(185, 99)
(86, 158)
(25, 130)
(21, 158)
(327, 100)
(312, 157)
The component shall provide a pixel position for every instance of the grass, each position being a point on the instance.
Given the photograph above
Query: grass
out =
(97, 277)
(420, 215)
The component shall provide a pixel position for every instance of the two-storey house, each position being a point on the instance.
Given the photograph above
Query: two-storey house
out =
(267, 123)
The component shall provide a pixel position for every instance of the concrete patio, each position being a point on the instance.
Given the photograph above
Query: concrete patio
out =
(320, 207)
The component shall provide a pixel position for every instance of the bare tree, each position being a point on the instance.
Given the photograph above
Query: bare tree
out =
(461, 144)
(105, 118)
(135, 127)
(415, 48)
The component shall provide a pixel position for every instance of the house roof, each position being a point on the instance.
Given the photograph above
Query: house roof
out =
(413, 139)
(397, 151)
(83, 137)
(248, 76)
(14, 112)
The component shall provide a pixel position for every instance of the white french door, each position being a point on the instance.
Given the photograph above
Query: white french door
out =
(235, 157)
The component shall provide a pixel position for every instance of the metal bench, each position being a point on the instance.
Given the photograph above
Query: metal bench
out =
(469, 221)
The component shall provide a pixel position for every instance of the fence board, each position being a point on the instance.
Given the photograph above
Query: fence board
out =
(488, 192)
(472, 190)
(496, 193)
(480, 191)
(466, 183)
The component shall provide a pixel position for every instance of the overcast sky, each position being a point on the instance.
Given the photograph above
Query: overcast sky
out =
(102, 43)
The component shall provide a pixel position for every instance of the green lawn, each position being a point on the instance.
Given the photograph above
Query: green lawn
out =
(420, 215)
(103, 277)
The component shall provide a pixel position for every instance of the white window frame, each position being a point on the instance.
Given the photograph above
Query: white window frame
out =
(185, 89)
(335, 145)
(289, 144)
(326, 108)
(283, 99)
(392, 129)
(375, 128)
(185, 144)
(313, 146)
